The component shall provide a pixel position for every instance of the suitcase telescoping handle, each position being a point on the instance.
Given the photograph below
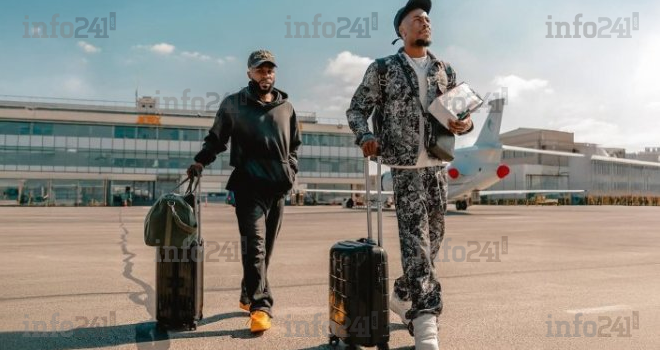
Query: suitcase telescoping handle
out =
(198, 206)
(379, 205)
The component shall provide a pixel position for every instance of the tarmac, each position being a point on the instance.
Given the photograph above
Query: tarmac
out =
(513, 278)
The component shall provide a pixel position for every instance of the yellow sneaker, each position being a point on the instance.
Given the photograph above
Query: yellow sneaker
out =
(245, 307)
(260, 321)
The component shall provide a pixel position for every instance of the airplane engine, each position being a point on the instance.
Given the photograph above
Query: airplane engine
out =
(453, 173)
(502, 171)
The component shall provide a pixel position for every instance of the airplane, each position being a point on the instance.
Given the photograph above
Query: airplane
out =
(475, 168)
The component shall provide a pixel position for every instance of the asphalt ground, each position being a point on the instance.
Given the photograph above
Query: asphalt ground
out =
(88, 269)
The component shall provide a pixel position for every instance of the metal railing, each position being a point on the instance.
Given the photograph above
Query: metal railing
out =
(35, 102)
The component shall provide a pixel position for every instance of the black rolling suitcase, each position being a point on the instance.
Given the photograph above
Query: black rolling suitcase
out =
(180, 277)
(359, 297)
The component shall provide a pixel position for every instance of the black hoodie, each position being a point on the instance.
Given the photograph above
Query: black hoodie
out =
(264, 141)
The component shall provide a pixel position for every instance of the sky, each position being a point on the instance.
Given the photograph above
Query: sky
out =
(604, 90)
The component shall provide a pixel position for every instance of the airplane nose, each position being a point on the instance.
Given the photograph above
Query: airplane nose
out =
(453, 173)
(502, 171)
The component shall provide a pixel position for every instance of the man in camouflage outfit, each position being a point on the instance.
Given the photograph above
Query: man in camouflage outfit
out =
(420, 180)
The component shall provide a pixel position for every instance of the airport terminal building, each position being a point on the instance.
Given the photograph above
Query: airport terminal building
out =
(55, 152)
(100, 153)
(607, 175)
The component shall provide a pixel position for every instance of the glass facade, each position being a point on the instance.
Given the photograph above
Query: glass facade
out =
(40, 146)
(54, 192)
(59, 147)
(608, 177)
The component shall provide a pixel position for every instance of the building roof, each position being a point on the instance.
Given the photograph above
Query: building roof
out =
(122, 112)
(526, 131)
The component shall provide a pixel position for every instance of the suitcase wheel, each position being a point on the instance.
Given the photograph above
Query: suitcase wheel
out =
(334, 341)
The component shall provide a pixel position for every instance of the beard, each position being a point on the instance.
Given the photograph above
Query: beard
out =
(256, 87)
(423, 42)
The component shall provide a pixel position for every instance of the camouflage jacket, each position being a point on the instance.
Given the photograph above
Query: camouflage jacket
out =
(399, 134)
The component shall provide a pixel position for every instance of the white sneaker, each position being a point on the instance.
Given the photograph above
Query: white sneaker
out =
(426, 332)
(400, 308)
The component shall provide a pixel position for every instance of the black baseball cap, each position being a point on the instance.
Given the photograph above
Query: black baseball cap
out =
(410, 6)
(259, 57)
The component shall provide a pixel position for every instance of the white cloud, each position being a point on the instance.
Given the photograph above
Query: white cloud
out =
(227, 59)
(195, 55)
(653, 106)
(348, 67)
(88, 48)
(644, 88)
(161, 49)
(516, 85)
(74, 86)
(592, 130)
(342, 75)
(166, 49)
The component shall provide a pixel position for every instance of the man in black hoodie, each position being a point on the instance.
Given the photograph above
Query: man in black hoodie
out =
(261, 125)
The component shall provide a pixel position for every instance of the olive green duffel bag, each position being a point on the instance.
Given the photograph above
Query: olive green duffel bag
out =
(171, 221)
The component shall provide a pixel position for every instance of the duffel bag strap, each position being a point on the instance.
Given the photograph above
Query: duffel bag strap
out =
(180, 184)
(191, 189)
(177, 220)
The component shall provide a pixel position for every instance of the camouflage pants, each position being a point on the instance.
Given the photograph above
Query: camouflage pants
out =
(421, 202)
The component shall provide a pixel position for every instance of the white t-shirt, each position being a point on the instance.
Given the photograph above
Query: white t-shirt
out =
(421, 67)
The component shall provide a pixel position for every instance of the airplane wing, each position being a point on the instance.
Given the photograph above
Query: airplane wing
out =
(486, 193)
(626, 161)
(532, 150)
(345, 191)
(579, 155)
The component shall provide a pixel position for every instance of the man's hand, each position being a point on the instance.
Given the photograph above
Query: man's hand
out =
(460, 126)
(370, 148)
(195, 170)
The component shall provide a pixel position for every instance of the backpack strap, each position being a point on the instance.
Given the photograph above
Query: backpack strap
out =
(382, 79)
(381, 69)
(451, 74)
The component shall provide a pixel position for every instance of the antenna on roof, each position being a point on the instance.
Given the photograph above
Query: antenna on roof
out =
(137, 87)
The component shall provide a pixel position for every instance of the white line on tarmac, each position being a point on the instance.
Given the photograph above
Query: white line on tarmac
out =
(597, 310)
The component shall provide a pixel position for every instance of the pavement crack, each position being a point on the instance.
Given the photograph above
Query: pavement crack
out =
(146, 334)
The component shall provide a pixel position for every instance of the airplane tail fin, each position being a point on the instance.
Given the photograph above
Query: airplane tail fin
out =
(490, 133)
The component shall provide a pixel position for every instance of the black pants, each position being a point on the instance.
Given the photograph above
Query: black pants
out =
(259, 220)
